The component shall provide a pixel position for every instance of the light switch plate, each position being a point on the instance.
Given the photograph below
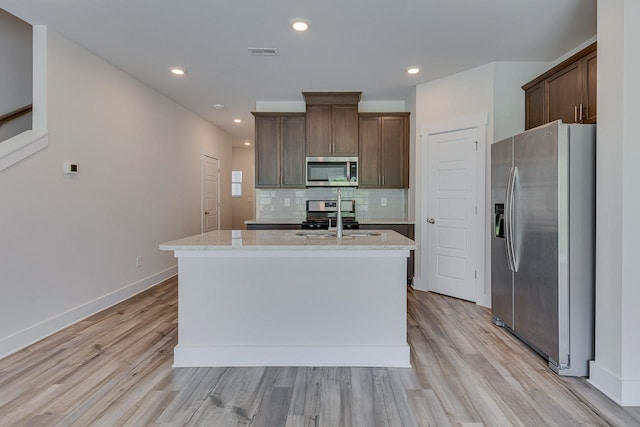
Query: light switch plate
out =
(70, 168)
(383, 201)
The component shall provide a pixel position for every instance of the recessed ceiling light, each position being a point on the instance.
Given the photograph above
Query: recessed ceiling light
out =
(237, 120)
(177, 71)
(247, 143)
(219, 107)
(413, 70)
(299, 24)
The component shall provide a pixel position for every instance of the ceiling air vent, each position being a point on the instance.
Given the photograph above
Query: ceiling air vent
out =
(263, 51)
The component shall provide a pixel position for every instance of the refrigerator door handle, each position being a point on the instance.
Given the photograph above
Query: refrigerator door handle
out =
(510, 215)
(507, 221)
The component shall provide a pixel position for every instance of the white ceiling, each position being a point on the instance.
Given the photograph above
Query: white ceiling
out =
(351, 45)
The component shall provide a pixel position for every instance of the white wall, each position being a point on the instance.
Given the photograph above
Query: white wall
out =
(69, 243)
(244, 208)
(15, 72)
(413, 132)
(381, 106)
(509, 111)
(630, 209)
(460, 95)
(493, 89)
(616, 370)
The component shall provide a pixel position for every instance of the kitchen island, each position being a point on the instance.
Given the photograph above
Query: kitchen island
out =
(279, 298)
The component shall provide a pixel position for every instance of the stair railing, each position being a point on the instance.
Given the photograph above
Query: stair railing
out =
(15, 114)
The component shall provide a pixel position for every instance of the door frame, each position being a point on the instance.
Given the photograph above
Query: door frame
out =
(479, 121)
(203, 169)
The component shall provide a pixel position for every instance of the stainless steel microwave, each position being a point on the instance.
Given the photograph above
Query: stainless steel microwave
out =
(332, 171)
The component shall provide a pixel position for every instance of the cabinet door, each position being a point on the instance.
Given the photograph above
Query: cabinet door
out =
(394, 170)
(534, 106)
(345, 130)
(274, 226)
(319, 130)
(267, 152)
(406, 230)
(293, 152)
(564, 94)
(590, 70)
(369, 152)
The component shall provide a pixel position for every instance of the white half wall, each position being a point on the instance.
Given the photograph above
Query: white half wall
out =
(70, 242)
(616, 369)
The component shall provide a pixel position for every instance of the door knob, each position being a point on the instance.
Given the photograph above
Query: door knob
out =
(431, 221)
(207, 213)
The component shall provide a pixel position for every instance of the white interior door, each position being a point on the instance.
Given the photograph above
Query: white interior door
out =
(210, 193)
(450, 220)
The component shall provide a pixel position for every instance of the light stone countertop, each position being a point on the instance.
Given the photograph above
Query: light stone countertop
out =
(288, 240)
(360, 220)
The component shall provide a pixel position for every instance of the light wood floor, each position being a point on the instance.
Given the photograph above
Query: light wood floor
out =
(115, 369)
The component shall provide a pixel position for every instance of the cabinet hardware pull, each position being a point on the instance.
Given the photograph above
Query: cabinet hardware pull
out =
(581, 112)
(575, 114)
(383, 180)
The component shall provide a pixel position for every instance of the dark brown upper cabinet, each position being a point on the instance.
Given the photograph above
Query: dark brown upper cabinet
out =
(384, 150)
(280, 150)
(332, 123)
(566, 92)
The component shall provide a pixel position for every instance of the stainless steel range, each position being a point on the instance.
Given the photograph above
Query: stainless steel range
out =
(320, 212)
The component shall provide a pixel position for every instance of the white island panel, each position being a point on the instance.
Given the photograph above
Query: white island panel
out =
(334, 302)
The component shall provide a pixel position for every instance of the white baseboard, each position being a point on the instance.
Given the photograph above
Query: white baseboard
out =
(623, 392)
(364, 356)
(34, 333)
(631, 392)
(419, 284)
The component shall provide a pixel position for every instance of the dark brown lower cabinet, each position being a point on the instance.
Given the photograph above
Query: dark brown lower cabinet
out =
(274, 226)
(406, 230)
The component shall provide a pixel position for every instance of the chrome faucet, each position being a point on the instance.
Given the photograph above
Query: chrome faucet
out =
(338, 228)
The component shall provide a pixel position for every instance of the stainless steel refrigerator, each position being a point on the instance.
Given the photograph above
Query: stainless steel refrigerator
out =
(542, 245)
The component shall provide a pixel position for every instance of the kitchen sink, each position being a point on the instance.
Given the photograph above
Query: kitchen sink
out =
(332, 234)
(361, 233)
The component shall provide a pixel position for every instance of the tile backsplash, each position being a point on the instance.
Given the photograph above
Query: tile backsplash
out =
(291, 204)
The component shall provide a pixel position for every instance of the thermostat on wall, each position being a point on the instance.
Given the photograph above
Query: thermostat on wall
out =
(70, 168)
